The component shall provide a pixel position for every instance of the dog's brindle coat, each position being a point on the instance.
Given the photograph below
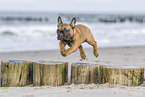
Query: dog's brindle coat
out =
(74, 35)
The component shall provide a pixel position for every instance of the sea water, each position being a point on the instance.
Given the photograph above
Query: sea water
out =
(21, 31)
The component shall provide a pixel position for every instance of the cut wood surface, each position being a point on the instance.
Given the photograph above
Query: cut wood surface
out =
(85, 73)
(122, 75)
(50, 73)
(15, 73)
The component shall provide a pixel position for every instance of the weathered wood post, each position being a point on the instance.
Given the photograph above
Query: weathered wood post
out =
(85, 73)
(122, 75)
(50, 73)
(16, 73)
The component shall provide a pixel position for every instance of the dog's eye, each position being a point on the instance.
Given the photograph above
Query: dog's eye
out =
(58, 25)
(68, 30)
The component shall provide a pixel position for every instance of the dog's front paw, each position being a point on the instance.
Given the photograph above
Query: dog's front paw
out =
(63, 54)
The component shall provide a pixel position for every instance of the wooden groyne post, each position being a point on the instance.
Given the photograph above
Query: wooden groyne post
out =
(50, 73)
(16, 73)
(122, 75)
(85, 73)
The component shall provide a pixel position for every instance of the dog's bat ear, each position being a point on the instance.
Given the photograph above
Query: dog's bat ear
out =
(59, 20)
(73, 22)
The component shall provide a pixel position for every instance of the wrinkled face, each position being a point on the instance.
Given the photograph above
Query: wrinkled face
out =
(64, 32)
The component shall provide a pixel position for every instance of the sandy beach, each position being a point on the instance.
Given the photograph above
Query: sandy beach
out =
(126, 56)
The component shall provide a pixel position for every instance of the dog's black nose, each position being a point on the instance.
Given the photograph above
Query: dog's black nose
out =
(57, 31)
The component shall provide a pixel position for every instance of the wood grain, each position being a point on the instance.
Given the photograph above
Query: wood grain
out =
(50, 73)
(16, 73)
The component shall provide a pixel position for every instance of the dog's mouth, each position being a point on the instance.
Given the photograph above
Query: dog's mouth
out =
(63, 35)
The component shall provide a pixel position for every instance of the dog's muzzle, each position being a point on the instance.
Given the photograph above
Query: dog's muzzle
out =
(64, 36)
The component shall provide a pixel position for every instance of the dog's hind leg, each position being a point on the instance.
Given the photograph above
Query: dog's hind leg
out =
(92, 42)
(82, 53)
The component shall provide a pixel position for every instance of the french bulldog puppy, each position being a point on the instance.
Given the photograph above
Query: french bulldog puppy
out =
(73, 36)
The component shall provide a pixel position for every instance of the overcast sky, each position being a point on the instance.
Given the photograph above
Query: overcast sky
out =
(74, 5)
